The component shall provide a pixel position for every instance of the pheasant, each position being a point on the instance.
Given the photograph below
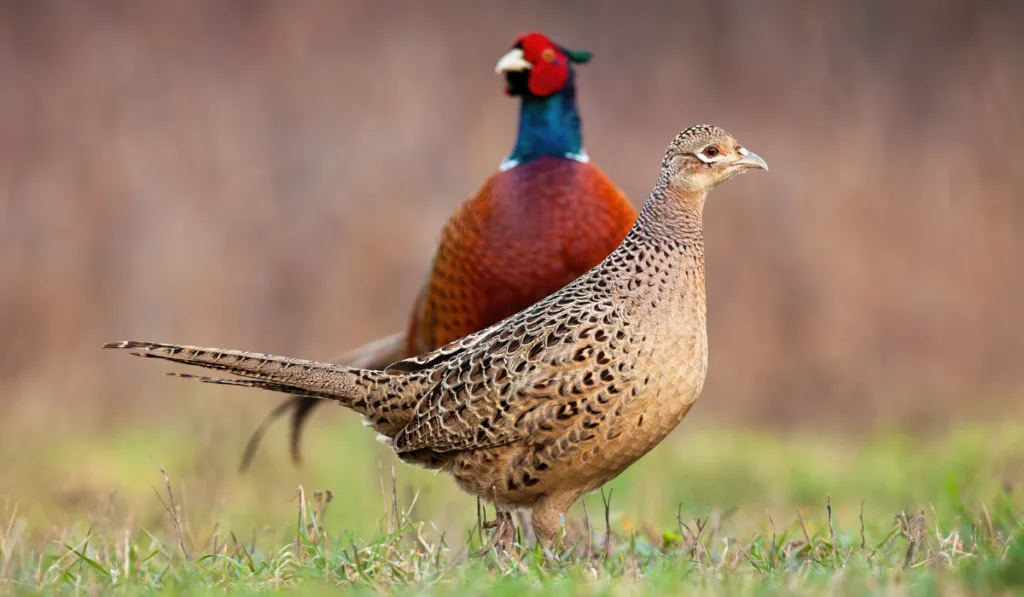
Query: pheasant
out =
(558, 399)
(547, 216)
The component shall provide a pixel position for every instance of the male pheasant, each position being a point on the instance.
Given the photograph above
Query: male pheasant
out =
(560, 398)
(547, 216)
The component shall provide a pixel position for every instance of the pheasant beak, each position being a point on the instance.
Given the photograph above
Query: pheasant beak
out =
(749, 159)
(513, 61)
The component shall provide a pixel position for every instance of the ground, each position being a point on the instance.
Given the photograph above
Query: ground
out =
(720, 511)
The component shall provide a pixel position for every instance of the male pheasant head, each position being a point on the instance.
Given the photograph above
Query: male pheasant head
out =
(704, 156)
(537, 66)
(539, 71)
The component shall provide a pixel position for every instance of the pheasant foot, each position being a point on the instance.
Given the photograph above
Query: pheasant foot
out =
(503, 537)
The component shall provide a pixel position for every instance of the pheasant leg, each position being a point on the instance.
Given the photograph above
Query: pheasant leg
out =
(548, 516)
(503, 537)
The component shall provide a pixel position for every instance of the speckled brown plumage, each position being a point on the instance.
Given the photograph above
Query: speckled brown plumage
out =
(561, 397)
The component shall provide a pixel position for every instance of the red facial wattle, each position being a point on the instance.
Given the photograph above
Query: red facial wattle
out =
(550, 70)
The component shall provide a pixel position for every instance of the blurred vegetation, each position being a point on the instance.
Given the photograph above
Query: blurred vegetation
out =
(273, 176)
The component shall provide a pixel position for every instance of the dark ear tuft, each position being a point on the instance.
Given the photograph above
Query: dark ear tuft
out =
(579, 56)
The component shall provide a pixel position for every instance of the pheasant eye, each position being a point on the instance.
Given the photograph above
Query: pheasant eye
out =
(548, 55)
(711, 151)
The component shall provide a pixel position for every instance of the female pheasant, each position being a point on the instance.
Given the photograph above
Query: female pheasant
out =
(547, 216)
(557, 400)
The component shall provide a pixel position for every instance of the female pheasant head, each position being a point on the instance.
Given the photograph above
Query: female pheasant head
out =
(703, 156)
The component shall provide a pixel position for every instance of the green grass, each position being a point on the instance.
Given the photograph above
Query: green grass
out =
(714, 512)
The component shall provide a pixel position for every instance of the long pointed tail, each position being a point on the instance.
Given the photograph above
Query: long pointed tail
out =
(347, 385)
(377, 355)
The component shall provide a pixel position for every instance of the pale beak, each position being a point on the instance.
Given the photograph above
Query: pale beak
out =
(513, 61)
(750, 160)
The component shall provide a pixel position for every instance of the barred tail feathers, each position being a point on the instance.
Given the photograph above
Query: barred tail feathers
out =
(377, 355)
(349, 386)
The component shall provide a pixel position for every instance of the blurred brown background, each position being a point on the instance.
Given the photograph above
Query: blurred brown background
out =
(273, 176)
